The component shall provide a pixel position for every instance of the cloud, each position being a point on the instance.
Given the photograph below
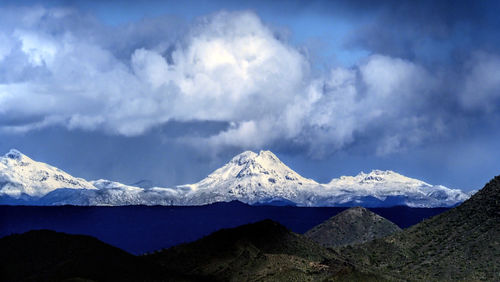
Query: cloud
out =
(433, 33)
(59, 67)
(481, 89)
(230, 68)
(380, 97)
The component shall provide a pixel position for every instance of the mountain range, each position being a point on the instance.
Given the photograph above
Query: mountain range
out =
(253, 178)
(461, 244)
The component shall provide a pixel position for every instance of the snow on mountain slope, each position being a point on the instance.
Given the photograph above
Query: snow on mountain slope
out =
(263, 178)
(112, 196)
(20, 175)
(108, 184)
(392, 188)
(25, 181)
(376, 179)
(111, 193)
(250, 178)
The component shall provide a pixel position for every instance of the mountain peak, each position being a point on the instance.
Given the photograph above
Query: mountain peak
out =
(382, 172)
(14, 154)
(356, 211)
(20, 175)
(352, 226)
(252, 162)
(267, 154)
(251, 178)
(248, 156)
(376, 178)
(377, 173)
(243, 157)
(226, 254)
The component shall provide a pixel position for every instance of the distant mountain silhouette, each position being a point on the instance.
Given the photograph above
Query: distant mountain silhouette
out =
(352, 226)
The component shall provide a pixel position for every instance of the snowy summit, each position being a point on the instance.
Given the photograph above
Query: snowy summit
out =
(249, 177)
(21, 176)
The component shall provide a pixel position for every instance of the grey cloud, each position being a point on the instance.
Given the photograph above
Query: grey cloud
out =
(423, 30)
(481, 88)
(228, 70)
(381, 98)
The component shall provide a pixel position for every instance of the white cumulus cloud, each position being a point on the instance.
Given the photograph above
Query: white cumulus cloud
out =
(60, 68)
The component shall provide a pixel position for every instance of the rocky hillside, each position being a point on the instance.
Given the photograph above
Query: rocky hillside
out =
(263, 251)
(352, 226)
(460, 244)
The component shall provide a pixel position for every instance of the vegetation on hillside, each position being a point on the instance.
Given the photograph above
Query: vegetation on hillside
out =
(352, 226)
(460, 244)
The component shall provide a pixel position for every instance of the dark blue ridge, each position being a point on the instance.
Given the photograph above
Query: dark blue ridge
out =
(140, 229)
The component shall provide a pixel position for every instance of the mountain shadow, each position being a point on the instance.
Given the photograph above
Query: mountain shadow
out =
(352, 226)
(460, 244)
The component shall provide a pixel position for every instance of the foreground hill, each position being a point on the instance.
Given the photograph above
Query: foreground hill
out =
(262, 251)
(460, 244)
(352, 226)
(45, 255)
(249, 177)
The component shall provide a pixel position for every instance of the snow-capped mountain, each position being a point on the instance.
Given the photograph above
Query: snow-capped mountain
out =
(390, 188)
(21, 176)
(249, 177)
(112, 196)
(262, 178)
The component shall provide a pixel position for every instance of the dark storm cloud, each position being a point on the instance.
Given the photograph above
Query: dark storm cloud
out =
(457, 42)
(175, 129)
(11, 120)
(429, 31)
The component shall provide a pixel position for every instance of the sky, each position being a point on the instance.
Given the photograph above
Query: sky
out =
(170, 91)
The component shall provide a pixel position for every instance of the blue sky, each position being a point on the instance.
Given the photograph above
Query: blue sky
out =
(169, 92)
